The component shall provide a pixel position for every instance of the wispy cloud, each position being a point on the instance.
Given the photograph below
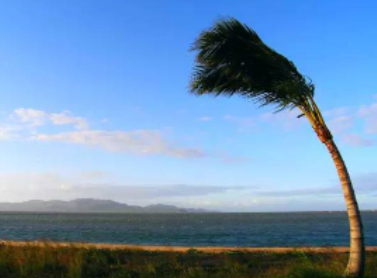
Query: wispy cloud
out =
(66, 118)
(356, 140)
(242, 123)
(205, 119)
(35, 117)
(369, 114)
(340, 121)
(343, 120)
(139, 142)
(25, 186)
(341, 124)
(133, 192)
(9, 132)
(32, 117)
(301, 192)
(363, 183)
(232, 159)
(287, 119)
(336, 112)
(27, 123)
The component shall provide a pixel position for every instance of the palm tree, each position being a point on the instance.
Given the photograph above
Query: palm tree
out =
(232, 60)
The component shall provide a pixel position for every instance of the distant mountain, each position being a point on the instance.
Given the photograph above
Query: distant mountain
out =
(90, 205)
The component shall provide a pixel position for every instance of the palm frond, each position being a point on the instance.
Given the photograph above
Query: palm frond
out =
(232, 59)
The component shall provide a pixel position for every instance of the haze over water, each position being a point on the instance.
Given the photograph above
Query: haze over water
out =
(220, 229)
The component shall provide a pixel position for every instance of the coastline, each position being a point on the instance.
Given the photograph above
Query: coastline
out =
(179, 249)
(51, 259)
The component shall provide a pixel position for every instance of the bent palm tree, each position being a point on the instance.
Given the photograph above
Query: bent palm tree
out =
(232, 60)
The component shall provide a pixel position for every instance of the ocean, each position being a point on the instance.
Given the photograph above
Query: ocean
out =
(201, 229)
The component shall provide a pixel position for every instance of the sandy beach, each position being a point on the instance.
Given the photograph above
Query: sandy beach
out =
(179, 248)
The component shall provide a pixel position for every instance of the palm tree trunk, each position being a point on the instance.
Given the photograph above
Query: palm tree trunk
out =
(355, 267)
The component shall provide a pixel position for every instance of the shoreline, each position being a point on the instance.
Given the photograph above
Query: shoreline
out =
(179, 249)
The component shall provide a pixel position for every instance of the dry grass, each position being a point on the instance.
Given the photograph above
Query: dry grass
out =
(46, 261)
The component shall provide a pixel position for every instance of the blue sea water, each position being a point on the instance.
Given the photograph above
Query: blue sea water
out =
(217, 229)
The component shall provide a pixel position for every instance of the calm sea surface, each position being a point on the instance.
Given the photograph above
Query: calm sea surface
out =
(244, 229)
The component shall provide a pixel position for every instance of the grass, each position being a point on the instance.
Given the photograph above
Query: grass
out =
(74, 262)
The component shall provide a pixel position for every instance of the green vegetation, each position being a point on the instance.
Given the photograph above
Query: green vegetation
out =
(74, 262)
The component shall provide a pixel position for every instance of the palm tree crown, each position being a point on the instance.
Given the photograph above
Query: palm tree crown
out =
(232, 59)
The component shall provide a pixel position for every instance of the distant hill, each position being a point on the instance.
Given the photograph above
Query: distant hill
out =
(90, 205)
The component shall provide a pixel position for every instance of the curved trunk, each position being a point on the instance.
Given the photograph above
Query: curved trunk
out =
(355, 267)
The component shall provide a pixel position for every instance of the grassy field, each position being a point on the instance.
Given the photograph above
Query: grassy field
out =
(73, 262)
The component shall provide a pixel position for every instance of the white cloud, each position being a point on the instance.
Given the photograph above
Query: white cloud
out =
(286, 119)
(66, 118)
(33, 117)
(30, 116)
(232, 159)
(336, 112)
(51, 185)
(330, 190)
(356, 140)
(341, 124)
(139, 142)
(363, 183)
(369, 114)
(241, 122)
(9, 132)
(93, 175)
(205, 119)
(342, 120)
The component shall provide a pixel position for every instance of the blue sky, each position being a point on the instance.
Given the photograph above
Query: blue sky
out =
(95, 103)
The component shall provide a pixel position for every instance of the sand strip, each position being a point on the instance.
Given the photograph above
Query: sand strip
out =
(179, 248)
